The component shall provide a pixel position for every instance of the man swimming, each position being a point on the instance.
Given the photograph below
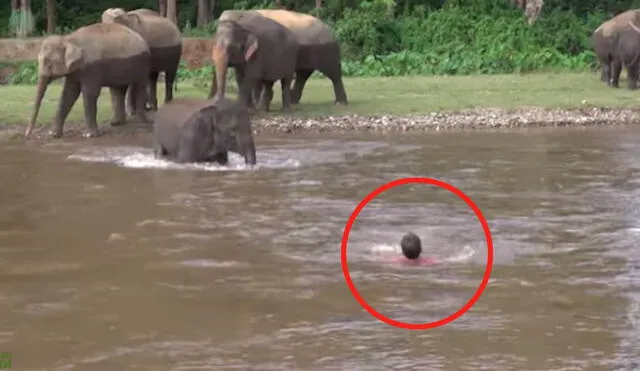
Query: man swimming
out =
(412, 248)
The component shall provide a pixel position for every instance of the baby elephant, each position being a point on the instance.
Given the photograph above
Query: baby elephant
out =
(197, 130)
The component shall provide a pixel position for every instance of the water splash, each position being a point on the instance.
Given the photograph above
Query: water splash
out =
(143, 158)
(464, 255)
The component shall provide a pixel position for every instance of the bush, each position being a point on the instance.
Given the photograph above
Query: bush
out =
(482, 37)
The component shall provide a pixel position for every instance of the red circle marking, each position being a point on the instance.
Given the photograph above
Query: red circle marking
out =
(405, 325)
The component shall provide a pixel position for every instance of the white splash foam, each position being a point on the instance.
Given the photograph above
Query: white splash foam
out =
(385, 249)
(209, 263)
(143, 158)
(464, 255)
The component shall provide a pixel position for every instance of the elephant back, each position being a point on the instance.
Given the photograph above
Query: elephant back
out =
(615, 24)
(179, 111)
(103, 41)
(158, 31)
(258, 25)
(145, 11)
(308, 29)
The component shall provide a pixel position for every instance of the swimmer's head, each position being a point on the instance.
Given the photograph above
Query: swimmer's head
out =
(411, 246)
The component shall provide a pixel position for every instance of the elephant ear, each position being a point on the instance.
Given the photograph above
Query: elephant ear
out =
(251, 45)
(73, 56)
(134, 20)
(218, 128)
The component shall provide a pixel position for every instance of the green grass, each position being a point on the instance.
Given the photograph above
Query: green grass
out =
(393, 95)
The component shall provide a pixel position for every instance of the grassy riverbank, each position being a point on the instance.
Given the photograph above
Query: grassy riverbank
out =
(375, 96)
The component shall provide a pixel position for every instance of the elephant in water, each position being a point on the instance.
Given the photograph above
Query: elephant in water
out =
(196, 130)
(90, 58)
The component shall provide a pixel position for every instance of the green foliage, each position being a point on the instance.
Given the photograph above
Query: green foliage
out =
(463, 37)
(406, 37)
(24, 73)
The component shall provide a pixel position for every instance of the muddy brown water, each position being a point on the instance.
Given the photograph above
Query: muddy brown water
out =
(111, 260)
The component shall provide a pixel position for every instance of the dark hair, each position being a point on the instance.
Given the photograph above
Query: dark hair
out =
(411, 246)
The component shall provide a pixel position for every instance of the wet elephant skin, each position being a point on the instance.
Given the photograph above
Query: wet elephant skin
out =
(197, 130)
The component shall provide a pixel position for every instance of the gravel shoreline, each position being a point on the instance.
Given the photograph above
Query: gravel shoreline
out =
(474, 119)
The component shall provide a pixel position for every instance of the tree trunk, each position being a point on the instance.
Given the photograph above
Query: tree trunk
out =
(204, 13)
(209, 15)
(531, 8)
(318, 4)
(201, 11)
(51, 16)
(172, 11)
(21, 18)
(162, 7)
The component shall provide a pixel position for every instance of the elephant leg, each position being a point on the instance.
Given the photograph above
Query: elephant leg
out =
(90, 94)
(245, 88)
(221, 158)
(118, 95)
(257, 93)
(140, 92)
(338, 89)
(615, 70)
(70, 92)
(333, 72)
(158, 151)
(285, 84)
(301, 79)
(131, 100)
(153, 90)
(632, 76)
(267, 95)
(604, 75)
(169, 81)
(245, 92)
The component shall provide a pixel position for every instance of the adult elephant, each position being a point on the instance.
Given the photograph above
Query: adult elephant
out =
(627, 53)
(318, 50)
(89, 58)
(604, 39)
(196, 130)
(262, 51)
(165, 43)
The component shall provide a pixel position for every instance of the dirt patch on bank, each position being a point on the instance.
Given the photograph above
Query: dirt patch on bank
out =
(18, 50)
(196, 51)
(479, 119)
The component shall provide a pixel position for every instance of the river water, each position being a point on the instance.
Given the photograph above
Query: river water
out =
(111, 260)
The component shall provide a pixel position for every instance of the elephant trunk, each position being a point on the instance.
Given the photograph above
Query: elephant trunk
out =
(247, 148)
(219, 77)
(43, 83)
